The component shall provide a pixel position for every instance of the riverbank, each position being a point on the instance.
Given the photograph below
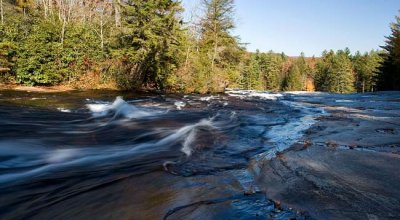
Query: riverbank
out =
(57, 88)
(47, 89)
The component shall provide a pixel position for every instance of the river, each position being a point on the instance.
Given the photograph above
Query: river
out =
(111, 155)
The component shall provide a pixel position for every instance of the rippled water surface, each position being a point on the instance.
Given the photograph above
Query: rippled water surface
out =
(115, 155)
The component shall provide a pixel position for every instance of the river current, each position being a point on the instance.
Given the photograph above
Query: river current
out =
(109, 155)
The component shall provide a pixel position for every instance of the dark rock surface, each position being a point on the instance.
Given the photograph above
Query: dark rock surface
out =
(347, 167)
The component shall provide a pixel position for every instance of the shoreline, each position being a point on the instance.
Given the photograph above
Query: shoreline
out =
(44, 89)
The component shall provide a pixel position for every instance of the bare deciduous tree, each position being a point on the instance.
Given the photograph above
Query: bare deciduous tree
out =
(117, 12)
(2, 12)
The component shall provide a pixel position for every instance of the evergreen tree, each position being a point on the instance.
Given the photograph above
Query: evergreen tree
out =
(389, 73)
(148, 42)
(342, 79)
(39, 57)
(143, 44)
(271, 66)
(304, 69)
(365, 67)
(293, 80)
(252, 73)
(335, 73)
(217, 43)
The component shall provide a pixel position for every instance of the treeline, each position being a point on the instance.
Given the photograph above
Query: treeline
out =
(136, 44)
(272, 71)
(88, 42)
(341, 72)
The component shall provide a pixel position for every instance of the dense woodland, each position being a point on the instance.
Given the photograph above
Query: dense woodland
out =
(147, 44)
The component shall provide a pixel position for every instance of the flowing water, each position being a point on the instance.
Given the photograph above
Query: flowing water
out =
(105, 154)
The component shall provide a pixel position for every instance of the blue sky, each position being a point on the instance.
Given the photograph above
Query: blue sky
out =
(293, 26)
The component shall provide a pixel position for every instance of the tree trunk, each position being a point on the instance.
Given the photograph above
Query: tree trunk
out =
(187, 57)
(101, 31)
(214, 54)
(1, 11)
(117, 12)
(69, 10)
(363, 86)
(64, 19)
(45, 8)
(50, 6)
(60, 6)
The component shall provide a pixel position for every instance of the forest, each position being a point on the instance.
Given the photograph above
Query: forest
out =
(147, 44)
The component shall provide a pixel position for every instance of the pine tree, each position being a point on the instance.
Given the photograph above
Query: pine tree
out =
(305, 71)
(217, 43)
(148, 42)
(251, 76)
(389, 72)
(335, 73)
(271, 65)
(343, 75)
(293, 81)
(365, 67)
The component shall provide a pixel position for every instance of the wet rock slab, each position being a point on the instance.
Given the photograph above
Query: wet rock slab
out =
(159, 195)
(336, 183)
(347, 166)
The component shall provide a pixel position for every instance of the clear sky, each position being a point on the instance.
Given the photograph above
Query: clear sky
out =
(293, 26)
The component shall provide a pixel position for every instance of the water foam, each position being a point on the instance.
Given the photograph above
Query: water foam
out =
(179, 105)
(38, 161)
(253, 93)
(190, 134)
(284, 136)
(207, 98)
(119, 108)
(64, 110)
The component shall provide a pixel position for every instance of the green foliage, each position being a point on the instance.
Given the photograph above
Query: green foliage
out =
(139, 44)
(81, 50)
(8, 50)
(366, 68)
(23, 5)
(293, 81)
(218, 46)
(43, 60)
(389, 72)
(335, 73)
(304, 69)
(39, 56)
(149, 41)
(13, 31)
(251, 78)
(272, 70)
